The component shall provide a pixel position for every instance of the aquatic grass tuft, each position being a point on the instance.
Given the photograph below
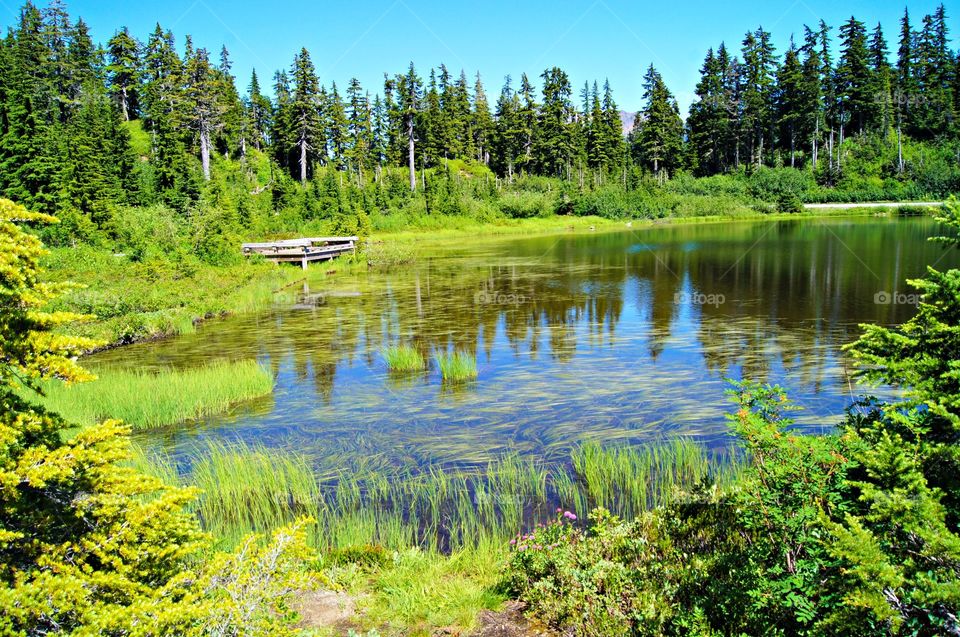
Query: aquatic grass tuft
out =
(404, 358)
(146, 399)
(457, 367)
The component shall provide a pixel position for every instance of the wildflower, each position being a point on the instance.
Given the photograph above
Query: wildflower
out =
(513, 542)
(559, 510)
(570, 516)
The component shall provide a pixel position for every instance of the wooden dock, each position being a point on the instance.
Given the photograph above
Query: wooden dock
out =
(302, 251)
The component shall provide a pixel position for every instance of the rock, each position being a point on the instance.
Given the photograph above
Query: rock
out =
(327, 609)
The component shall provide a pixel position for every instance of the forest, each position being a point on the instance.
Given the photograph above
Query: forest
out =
(92, 132)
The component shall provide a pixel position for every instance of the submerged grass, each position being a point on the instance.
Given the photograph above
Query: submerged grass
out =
(457, 367)
(404, 358)
(255, 489)
(144, 399)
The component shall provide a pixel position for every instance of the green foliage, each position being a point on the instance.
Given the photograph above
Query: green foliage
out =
(87, 544)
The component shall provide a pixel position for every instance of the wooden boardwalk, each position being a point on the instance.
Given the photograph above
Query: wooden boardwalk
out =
(302, 251)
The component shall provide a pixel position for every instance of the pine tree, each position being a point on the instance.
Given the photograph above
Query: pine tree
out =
(790, 101)
(305, 122)
(527, 115)
(360, 128)
(759, 66)
(481, 122)
(611, 129)
(881, 83)
(508, 136)
(381, 132)
(122, 71)
(852, 77)
(657, 136)
(708, 118)
(337, 127)
(553, 146)
(409, 88)
(259, 114)
(205, 112)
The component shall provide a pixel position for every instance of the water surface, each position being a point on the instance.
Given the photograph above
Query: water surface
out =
(625, 336)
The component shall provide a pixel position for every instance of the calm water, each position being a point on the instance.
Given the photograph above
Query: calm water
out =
(625, 336)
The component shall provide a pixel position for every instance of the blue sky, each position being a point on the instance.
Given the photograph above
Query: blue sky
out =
(589, 39)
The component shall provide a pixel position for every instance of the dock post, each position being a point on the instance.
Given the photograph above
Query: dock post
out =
(303, 262)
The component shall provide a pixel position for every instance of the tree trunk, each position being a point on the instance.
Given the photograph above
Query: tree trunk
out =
(410, 153)
(303, 160)
(816, 133)
(123, 104)
(899, 151)
(205, 150)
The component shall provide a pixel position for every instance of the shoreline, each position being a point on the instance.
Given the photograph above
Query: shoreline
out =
(442, 237)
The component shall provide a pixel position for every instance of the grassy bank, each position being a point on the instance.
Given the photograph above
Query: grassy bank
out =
(134, 300)
(424, 550)
(144, 400)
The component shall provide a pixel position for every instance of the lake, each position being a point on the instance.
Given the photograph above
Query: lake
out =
(617, 337)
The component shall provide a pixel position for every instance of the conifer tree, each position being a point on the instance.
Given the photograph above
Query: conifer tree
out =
(304, 118)
(481, 122)
(259, 113)
(124, 61)
(657, 136)
(553, 146)
(508, 137)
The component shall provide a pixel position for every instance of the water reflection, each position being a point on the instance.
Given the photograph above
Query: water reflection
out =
(619, 336)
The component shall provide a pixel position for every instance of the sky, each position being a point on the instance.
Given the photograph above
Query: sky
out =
(590, 40)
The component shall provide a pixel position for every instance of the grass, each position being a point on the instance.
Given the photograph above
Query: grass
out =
(421, 550)
(144, 400)
(140, 300)
(255, 489)
(457, 366)
(404, 358)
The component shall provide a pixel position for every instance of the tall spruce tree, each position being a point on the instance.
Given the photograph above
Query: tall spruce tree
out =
(657, 136)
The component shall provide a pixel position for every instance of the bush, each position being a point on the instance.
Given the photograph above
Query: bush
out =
(526, 204)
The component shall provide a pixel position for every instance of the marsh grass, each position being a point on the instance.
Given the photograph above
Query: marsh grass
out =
(457, 366)
(404, 358)
(145, 399)
(255, 489)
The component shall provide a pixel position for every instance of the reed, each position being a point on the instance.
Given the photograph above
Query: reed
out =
(457, 366)
(404, 358)
(438, 510)
(146, 399)
(252, 490)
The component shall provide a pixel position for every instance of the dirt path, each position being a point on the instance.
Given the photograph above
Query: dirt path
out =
(879, 204)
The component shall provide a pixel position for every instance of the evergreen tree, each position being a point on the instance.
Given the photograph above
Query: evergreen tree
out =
(409, 87)
(881, 83)
(553, 146)
(508, 137)
(790, 101)
(204, 110)
(759, 67)
(338, 132)
(360, 128)
(122, 71)
(259, 114)
(852, 77)
(481, 122)
(306, 130)
(657, 136)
